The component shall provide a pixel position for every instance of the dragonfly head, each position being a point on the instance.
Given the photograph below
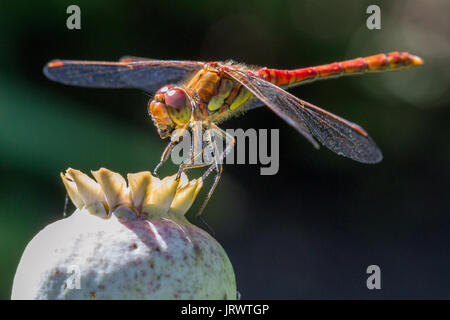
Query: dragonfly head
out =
(170, 108)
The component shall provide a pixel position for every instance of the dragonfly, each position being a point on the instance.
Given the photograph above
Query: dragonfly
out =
(194, 96)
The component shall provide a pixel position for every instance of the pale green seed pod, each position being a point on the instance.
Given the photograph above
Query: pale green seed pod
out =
(125, 242)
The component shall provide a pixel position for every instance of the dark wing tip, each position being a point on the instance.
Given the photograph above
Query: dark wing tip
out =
(371, 156)
(343, 137)
(375, 156)
(368, 152)
(51, 66)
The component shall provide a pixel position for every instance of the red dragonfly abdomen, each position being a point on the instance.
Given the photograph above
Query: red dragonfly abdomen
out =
(378, 63)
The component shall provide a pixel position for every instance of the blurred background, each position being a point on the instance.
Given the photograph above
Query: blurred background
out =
(308, 232)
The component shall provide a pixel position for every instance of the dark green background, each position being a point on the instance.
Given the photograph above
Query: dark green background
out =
(311, 230)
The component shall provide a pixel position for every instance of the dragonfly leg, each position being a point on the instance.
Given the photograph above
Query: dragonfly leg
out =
(230, 142)
(215, 163)
(164, 157)
(173, 141)
(191, 165)
(198, 146)
(219, 169)
(218, 162)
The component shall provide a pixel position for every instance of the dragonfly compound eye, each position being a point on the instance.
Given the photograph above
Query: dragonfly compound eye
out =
(164, 89)
(175, 98)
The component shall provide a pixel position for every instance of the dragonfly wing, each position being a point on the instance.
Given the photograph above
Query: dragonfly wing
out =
(337, 134)
(134, 59)
(253, 104)
(270, 95)
(148, 75)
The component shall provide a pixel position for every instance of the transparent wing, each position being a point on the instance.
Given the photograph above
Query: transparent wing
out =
(253, 104)
(148, 75)
(337, 134)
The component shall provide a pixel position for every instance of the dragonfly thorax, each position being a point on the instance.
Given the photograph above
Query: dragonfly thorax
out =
(169, 109)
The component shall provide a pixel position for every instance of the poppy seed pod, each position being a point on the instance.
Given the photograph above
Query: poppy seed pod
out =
(125, 241)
